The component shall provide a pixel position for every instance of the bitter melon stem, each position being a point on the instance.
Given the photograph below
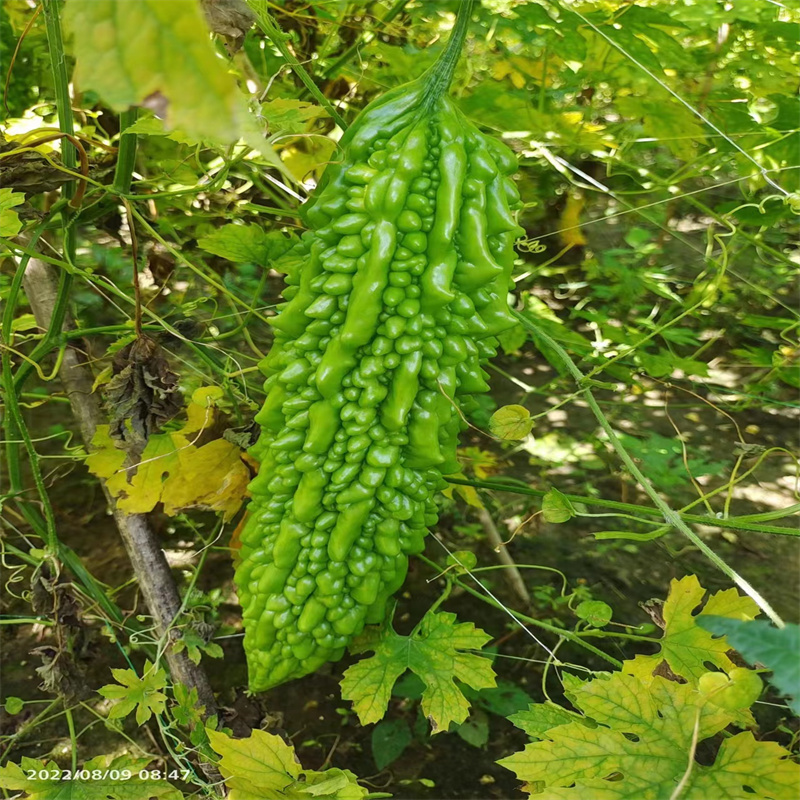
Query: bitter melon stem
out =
(441, 73)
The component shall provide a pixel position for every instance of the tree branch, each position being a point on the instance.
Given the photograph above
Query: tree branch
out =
(150, 566)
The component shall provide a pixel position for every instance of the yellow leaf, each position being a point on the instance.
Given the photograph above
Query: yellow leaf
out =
(685, 646)
(102, 378)
(173, 471)
(212, 477)
(467, 493)
(309, 157)
(481, 462)
(200, 411)
(106, 459)
(500, 69)
(138, 490)
(570, 221)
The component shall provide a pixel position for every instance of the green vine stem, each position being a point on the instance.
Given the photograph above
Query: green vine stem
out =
(732, 523)
(279, 39)
(519, 617)
(671, 517)
(15, 426)
(126, 153)
(55, 45)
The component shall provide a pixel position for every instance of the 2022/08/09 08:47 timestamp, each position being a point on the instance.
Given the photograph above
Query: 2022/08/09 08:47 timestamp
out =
(107, 774)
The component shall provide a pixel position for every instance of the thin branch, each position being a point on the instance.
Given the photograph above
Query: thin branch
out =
(512, 574)
(150, 566)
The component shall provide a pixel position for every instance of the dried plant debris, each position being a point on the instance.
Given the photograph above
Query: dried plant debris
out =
(142, 395)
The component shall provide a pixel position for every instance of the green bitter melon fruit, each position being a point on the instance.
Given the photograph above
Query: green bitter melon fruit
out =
(399, 293)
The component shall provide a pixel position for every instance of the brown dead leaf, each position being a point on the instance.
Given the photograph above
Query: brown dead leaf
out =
(142, 392)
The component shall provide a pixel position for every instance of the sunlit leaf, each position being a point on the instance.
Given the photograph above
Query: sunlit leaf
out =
(434, 652)
(511, 422)
(263, 766)
(258, 764)
(10, 223)
(761, 642)
(685, 646)
(641, 733)
(173, 470)
(288, 115)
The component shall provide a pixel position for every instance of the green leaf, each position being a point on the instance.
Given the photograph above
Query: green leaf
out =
(685, 646)
(513, 339)
(434, 651)
(153, 126)
(760, 642)
(144, 694)
(389, 739)
(662, 459)
(538, 718)
(737, 690)
(257, 765)
(188, 711)
(14, 705)
(10, 223)
(147, 52)
(288, 115)
(194, 644)
(556, 507)
(263, 765)
(24, 322)
(462, 560)
(246, 244)
(643, 738)
(597, 613)
(15, 778)
(511, 422)
(475, 730)
(505, 699)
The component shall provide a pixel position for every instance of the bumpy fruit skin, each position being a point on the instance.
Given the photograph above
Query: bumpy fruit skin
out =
(401, 289)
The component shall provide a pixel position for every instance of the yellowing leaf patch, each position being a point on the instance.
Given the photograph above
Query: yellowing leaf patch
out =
(130, 51)
(641, 734)
(685, 646)
(173, 470)
(570, 221)
(264, 766)
(434, 652)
